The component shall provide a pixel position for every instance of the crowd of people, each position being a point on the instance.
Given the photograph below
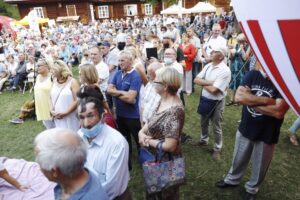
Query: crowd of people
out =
(133, 75)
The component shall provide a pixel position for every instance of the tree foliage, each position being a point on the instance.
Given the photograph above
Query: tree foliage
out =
(9, 10)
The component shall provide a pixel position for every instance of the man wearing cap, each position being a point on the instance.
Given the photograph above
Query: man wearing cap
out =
(214, 78)
(111, 59)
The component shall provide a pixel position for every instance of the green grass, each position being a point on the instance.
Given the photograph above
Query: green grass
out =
(282, 180)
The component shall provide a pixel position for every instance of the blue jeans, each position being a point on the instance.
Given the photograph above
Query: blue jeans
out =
(296, 125)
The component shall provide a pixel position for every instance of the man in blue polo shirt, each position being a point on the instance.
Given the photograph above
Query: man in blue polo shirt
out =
(125, 87)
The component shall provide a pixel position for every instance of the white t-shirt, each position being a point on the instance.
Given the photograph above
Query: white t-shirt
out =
(215, 42)
(220, 75)
(103, 73)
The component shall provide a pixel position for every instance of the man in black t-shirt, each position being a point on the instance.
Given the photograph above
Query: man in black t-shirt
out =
(258, 133)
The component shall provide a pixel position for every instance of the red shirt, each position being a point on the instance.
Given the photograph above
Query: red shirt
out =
(189, 52)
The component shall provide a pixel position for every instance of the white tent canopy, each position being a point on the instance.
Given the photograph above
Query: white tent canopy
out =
(202, 7)
(175, 10)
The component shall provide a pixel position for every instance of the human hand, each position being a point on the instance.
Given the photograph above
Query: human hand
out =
(100, 80)
(52, 113)
(60, 115)
(144, 139)
(152, 60)
(24, 187)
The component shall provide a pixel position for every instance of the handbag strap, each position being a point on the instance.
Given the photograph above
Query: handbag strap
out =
(160, 152)
(60, 93)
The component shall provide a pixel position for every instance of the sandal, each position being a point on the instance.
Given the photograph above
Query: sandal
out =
(293, 140)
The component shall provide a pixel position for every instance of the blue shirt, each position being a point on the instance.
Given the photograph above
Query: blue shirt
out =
(92, 190)
(125, 82)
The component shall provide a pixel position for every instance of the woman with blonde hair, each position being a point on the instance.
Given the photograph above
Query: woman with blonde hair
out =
(88, 79)
(63, 100)
(166, 123)
(42, 90)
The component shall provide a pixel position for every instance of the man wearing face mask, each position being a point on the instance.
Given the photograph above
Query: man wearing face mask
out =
(262, 117)
(168, 42)
(170, 61)
(107, 149)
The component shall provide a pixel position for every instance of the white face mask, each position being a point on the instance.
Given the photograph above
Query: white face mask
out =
(263, 73)
(168, 61)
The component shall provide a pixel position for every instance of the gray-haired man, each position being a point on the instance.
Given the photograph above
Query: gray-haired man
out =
(61, 155)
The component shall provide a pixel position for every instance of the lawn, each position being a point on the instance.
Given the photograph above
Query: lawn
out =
(282, 180)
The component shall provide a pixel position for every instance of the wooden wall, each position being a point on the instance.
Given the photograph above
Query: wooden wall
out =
(116, 9)
(54, 10)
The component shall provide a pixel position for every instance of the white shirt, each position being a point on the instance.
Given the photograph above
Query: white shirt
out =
(179, 68)
(108, 155)
(103, 73)
(197, 44)
(214, 42)
(220, 75)
(1, 166)
(149, 101)
(121, 37)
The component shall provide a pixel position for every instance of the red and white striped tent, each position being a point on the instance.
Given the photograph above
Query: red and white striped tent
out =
(273, 30)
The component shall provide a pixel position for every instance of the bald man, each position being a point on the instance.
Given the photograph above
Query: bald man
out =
(150, 97)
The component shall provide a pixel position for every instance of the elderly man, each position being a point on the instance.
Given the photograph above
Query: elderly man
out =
(111, 59)
(125, 87)
(61, 155)
(256, 138)
(170, 57)
(215, 40)
(150, 97)
(214, 78)
(102, 68)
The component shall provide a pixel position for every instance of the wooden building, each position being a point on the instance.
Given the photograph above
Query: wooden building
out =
(90, 10)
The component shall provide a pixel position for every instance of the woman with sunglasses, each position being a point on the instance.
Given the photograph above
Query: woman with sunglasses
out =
(42, 90)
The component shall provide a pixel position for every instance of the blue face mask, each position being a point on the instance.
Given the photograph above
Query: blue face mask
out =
(168, 61)
(93, 132)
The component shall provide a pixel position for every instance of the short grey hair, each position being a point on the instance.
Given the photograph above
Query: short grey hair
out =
(127, 54)
(62, 149)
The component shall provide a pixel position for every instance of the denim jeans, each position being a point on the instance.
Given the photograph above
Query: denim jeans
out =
(295, 127)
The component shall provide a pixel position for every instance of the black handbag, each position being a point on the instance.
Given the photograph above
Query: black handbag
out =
(207, 106)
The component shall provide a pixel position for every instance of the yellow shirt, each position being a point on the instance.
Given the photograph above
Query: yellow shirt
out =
(42, 90)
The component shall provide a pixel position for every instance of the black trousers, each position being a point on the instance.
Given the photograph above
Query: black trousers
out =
(129, 127)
